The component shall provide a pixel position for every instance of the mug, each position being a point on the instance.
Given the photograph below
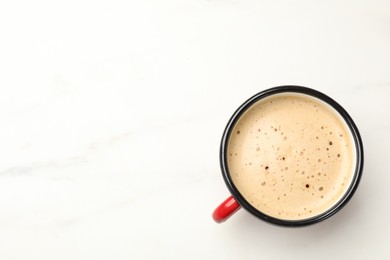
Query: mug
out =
(239, 200)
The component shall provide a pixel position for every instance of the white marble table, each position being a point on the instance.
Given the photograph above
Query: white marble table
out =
(112, 113)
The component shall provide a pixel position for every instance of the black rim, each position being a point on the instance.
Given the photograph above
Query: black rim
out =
(303, 90)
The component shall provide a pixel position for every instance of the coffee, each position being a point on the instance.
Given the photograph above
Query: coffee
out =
(291, 156)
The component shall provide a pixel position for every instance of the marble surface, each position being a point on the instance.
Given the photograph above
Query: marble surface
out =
(112, 112)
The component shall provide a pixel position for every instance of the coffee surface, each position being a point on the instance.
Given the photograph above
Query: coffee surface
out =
(291, 156)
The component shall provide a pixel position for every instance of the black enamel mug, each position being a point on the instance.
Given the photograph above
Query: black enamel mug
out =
(281, 162)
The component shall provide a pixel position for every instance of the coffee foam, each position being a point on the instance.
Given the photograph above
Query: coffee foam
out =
(291, 156)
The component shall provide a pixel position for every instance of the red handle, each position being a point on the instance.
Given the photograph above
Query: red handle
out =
(225, 210)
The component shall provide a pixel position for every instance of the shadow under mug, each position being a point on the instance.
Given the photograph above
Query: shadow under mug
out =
(237, 200)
